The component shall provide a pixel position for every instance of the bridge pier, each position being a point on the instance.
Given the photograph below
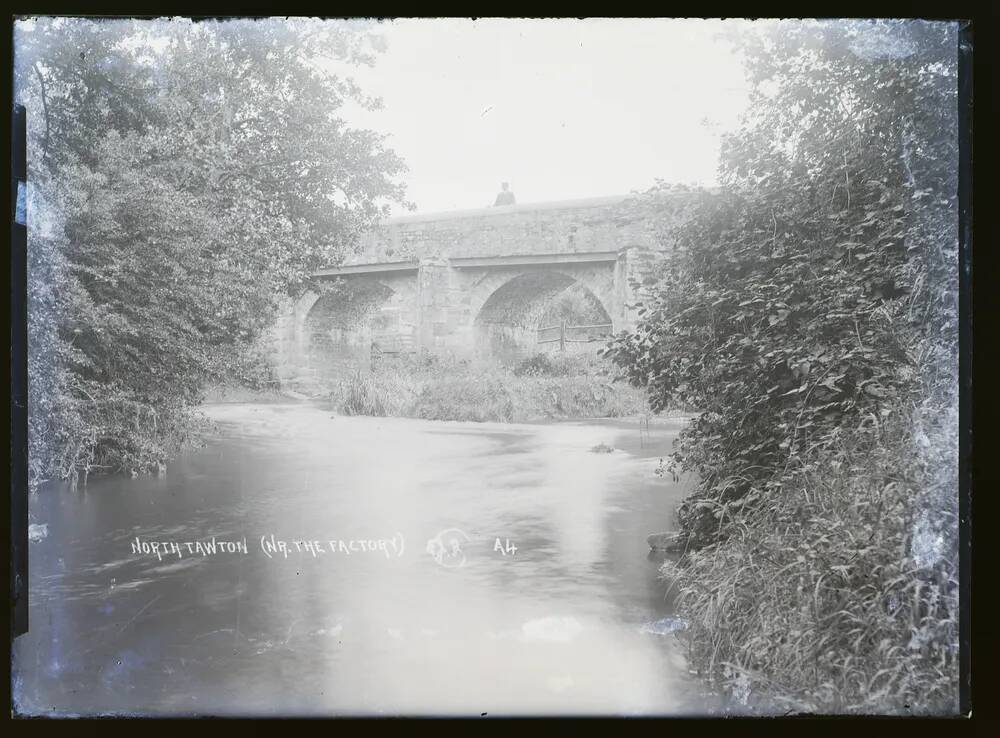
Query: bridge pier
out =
(290, 360)
(436, 318)
(635, 264)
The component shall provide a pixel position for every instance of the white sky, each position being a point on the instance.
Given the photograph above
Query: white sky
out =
(559, 108)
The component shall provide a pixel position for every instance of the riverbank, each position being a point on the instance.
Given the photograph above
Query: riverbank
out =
(539, 388)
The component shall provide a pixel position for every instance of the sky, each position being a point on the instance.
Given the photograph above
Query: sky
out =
(560, 109)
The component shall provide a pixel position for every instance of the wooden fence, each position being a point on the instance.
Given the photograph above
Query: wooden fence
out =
(393, 343)
(563, 334)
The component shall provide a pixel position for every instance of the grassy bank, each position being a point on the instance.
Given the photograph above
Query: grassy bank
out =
(536, 389)
(841, 595)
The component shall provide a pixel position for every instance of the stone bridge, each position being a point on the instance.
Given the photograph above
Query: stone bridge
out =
(472, 284)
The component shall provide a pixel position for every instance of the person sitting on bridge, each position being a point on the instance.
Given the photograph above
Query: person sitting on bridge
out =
(506, 197)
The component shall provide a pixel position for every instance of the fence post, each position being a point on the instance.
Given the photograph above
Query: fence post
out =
(562, 336)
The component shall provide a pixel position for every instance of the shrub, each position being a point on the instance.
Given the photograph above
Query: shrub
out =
(800, 300)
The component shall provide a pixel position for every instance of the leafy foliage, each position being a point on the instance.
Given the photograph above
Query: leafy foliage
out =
(819, 285)
(185, 177)
(809, 311)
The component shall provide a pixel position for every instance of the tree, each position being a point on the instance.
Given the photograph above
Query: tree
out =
(190, 176)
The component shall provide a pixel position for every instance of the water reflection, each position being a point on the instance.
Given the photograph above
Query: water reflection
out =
(553, 627)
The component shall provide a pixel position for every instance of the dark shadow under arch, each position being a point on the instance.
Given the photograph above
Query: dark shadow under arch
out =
(340, 325)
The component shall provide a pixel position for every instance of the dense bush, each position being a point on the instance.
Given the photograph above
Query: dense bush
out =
(810, 300)
(820, 283)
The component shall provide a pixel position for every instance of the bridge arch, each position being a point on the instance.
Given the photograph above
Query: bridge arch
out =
(510, 307)
(339, 325)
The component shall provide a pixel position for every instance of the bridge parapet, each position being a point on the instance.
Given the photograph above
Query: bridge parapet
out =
(595, 224)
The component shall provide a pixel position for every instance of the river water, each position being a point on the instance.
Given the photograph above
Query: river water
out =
(466, 568)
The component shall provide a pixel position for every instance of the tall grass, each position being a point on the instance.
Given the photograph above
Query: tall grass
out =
(577, 387)
(842, 595)
(482, 398)
(386, 393)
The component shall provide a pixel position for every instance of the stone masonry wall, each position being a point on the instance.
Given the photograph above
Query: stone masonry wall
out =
(574, 226)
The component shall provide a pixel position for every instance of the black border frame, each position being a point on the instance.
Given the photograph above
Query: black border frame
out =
(974, 310)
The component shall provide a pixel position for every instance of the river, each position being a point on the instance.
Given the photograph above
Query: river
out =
(537, 600)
